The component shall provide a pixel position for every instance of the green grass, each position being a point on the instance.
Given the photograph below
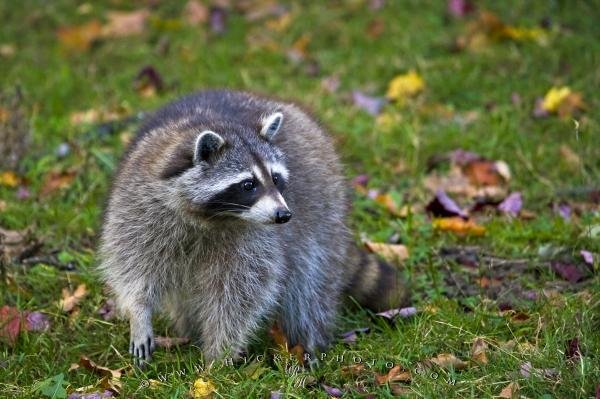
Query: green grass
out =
(417, 35)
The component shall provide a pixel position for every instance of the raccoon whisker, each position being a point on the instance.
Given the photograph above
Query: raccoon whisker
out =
(229, 203)
(218, 214)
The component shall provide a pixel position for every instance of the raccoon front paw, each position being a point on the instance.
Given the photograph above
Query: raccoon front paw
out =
(141, 348)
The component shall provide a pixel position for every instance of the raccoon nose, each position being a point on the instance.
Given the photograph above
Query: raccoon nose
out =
(282, 216)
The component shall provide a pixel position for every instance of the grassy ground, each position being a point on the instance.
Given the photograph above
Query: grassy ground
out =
(57, 82)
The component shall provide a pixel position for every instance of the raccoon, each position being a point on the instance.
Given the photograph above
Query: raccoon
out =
(230, 210)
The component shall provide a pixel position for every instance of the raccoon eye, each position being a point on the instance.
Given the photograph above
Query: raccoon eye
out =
(248, 185)
(275, 179)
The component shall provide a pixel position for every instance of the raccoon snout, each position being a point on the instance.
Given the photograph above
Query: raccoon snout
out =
(282, 216)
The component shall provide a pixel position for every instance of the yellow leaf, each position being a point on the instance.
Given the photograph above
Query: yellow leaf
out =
(406, 85)
(70, 300)
(81, 37)
(390, 252)
(202, 389)
(459, 226)
(9, 179)
(555, 97)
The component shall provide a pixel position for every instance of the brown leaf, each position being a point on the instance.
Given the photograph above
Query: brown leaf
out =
(390, 252)
(459, 226)
(55, 181)
(478, 351)
(353, 369)
(388, 202)
(483, 173)
(396, 374)
(89, 364)
(14, 243)
(447, 360)
(169, 342)
(195, 13)
(281, 340)
(570, 156)
(10, 324)
(510, 391)
(80, 37)
(376, 28)
(71, 299)
(125, 23)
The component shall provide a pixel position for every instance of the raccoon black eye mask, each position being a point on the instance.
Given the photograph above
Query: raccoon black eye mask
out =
(228, 213)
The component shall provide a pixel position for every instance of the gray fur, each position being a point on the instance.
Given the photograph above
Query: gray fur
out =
(220, 276)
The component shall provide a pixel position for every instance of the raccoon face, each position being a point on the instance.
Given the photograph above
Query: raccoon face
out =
(237, 173)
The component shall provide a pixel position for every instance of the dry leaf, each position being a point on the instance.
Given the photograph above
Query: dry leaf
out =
(195, 13)
(388, 202)
(447, 360)
(55, 181)
(13, 243)
(202, 389)
(169, 342)
(478, 351)
(459, 226)
(81, 37)
(570, 157)
(486, 173)
(406, 85)
(510, 391)
(394, 375)
(281, 340)
(562, 101)
(390, 252)
(70, 300)
(125, 23)
(88, 364)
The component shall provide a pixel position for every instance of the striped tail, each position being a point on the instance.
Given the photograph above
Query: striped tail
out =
(376, 285)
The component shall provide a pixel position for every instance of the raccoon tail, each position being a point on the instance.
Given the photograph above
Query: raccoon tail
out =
(375, 284)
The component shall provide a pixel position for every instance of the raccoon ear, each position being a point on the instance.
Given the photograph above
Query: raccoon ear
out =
(207, 143)
(271, 125)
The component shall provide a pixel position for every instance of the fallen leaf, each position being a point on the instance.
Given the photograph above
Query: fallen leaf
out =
(376, 28)
(393, 313)
(570, 157)
(125, 23)
(388, 202)
(443, 206)
(479, 351)
(71, 299)
(81, 37)
(447, 360)
(169, 342)
(567, 271)
(372, 105)
(587, 256)
(333, 391)
(396, 374)
(352, 335)
(281, 340)
(9, 179)
(511, 391)
(484, 173)
(406, 85)
(390, 252)
(353, 369)
(102, 371)
(459, 226)
(55, 181)
(10, 324)
(14, 244)
(202, 389)
(562, 101)
(512, 204)
(195, 13)
(7, 50)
